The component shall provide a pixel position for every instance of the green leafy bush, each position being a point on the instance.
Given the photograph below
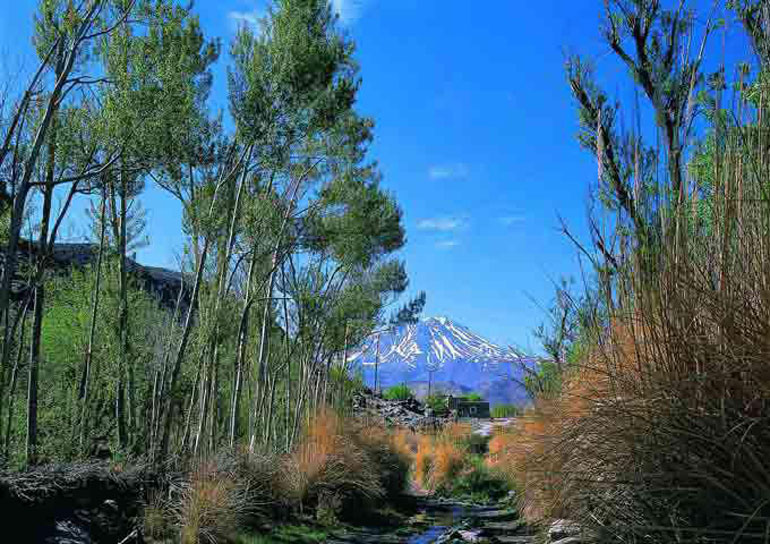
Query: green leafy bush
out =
(437, 403)
(398, 392)
(477, 483)
(505, 410)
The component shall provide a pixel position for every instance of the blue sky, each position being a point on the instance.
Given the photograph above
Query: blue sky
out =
(475, 136)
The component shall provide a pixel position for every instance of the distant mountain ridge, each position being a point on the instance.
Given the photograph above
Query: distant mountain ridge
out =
(448, 356)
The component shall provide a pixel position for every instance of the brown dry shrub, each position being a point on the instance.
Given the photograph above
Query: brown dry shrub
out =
(343, 461)
(212, 506)
(221, 496)
(441, 456)
(423, 460)
(518, 453)
(405, 443)
(662, 430)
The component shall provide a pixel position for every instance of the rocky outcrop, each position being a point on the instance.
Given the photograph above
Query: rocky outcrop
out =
(76, 504)
(409, 413)
(162, 283)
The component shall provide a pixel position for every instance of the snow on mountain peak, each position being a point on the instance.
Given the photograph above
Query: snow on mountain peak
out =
(433, 341)
(439, 350)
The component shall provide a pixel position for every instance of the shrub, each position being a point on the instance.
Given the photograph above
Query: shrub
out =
(156, 517)
(213, 506)
(344, 465)
(448, 460)
(423, 461)
(473, 397)
(476, 482)
(218, 498)
(385, 450)
(398, 392)
(440, 457)
(505, 410)
(517, 453)
(405, 443)
(437, 403)
(662, 428)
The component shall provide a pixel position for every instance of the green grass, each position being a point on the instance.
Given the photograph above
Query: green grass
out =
(505, 410)
(477, 483)
(398, 392)
(301, 534)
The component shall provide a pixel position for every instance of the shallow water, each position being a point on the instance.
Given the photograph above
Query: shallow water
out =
(441, 521)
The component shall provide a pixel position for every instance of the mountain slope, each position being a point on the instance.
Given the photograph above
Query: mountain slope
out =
(447, 355)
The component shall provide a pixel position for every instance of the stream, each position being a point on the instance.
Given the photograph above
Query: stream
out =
(434, 519)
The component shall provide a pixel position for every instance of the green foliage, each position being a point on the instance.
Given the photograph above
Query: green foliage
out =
(476, 483)
(505, 410)
(545, 381)
(398, 392)
(472, 397)
(301, 534)
(289, 233)
(437, 403)
(573, 322)
(410, 312)
(65, 332)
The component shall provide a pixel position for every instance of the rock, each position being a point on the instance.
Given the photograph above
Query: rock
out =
(408, 413)
(564, 531)
(68, 532)
(570, 540)
(470, 536)
(563, 528)
(78, 503)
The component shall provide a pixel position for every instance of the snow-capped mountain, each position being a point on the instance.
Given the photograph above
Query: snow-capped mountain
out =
(448, 355)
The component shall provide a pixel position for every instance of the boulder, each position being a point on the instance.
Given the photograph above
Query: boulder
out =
(565, 531)
(470, 536)
(563, 528)
(570, 540)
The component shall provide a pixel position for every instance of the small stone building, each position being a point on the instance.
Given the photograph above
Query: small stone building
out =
(468, 408)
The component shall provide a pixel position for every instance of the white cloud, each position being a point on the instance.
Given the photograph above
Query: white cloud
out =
(348, 10)
(447, 171)
(447, 244)
(444, 224)
(509, 220)
(250, 18)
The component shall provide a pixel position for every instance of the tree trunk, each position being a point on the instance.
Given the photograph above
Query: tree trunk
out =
(263, 350)
(180, 352)
(86, 376)
(14, 380)
(39, 292)
(240, 354)
(34, 361)
(376, 362)
(120, 385)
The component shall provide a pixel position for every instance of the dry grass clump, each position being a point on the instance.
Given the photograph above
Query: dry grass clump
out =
(344, 462)
(339, 466)
(213, 506)
(405, 443)
(220, 497)
(442, 456)
(157, 517)
(518, 453)
(662, 431)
